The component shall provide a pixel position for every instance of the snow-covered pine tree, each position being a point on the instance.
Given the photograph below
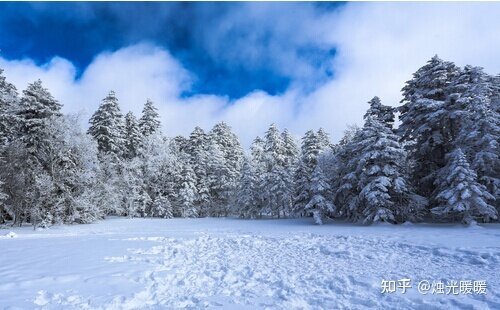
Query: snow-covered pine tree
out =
(162, 167)
(257, 150)
(8, 101)
(198, 155)
(274, 178)
(257, 154)
(248, 195)
(3, 198)
(340, 173)
(349, 134)
(310, 150)
(133, 136)
(320, 204)
(131, 185)
(37, 109)
(144, 203)
(291, 153)
(478, 125)
(424, 119)
(170, 176)
(149, 122)
(107, 127)
(74, 171)
(460, 196)
(232, 152)
(219, 180)
(384, 191)
(375, 186)
(324, 140)
(291, 150)
(382, 113)
(495, 98)
(187, 192)
(162, 207)
(109, 189)
(181, 143)
(301, 187)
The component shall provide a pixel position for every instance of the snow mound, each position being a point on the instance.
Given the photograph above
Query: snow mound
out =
(9, 235)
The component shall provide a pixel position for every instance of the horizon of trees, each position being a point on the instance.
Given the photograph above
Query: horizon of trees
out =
(441, 164)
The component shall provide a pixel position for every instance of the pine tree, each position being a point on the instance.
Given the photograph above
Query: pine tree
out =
(3, 198)
(257, 154)
(301, 189)
(232, 152)
(425, 117)
(162, 167)
(495, 98)
(374, 184)
(187, 193)
(36, 107)
(110, 188)
(324, 140)
(274, 177)
(460, 195)
(384, 191)
(349, 135)
(144, 203)
(341, 174)
(219, 180)
(181, 144)
(198, 152)
(310, 151)
(319, 205)
(310, 148)
(149, 122)
(257, 150)
(291, 154)
(133, 136)
(290, 149)
(380, 112)
(248, 196)
(107, 127)
(229, 145)
(479, 126)
(8, 101)
(129, 184)
(73, 160)
(37, 110)
(162, 207)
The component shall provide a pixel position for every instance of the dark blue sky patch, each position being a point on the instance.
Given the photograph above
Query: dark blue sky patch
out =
(190, 31)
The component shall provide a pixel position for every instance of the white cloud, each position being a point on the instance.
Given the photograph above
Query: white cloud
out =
(379, 46)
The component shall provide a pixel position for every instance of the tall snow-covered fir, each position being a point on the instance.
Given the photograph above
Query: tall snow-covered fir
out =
(460, 195)
(107, 126)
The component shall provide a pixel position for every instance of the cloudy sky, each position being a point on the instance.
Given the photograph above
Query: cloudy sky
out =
(299, 65)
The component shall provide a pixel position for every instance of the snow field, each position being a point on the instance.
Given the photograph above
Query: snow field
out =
(237, 264)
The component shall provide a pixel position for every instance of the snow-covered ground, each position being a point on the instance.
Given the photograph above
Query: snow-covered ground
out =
(238, 264)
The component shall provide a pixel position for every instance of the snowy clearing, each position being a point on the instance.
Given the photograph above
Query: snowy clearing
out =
(230, 263)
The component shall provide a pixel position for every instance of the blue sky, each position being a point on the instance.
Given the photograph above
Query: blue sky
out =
(190, 31)
(299, 65)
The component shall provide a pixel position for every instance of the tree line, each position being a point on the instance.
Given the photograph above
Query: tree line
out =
(440, 164)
